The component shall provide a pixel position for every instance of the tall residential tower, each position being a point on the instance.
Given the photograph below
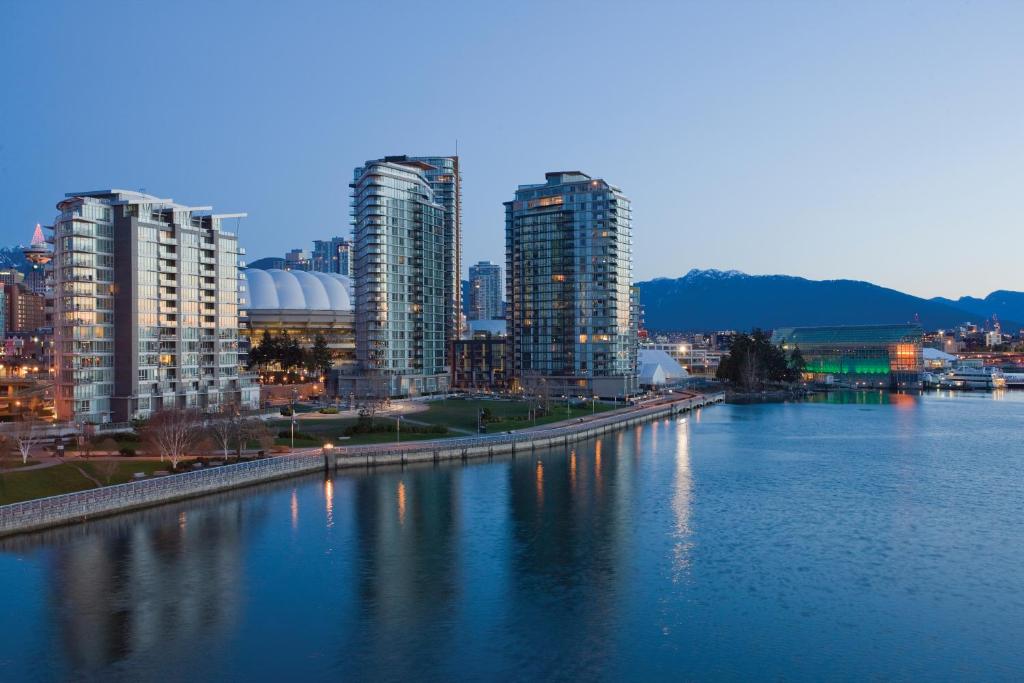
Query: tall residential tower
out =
(568, 274)
(146, 308)
(400, 268)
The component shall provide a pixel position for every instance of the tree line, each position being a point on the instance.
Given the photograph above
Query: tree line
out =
(754, 362)
(283, 353)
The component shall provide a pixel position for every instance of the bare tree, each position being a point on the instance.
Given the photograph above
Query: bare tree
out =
(537, 391)
(27, 435)
(172, 433)
(107, 469)
(253, 429)
(373, 398)
(223, 428)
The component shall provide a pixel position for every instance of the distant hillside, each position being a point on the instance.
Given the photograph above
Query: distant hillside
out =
(1007, 305)
(12, 257)
(724, 300)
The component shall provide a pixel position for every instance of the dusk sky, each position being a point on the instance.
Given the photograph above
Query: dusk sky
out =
(881, 141)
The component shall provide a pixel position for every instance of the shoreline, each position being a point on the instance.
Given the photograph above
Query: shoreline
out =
(71, 508)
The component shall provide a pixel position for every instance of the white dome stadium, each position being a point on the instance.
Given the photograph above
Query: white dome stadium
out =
(296, 290)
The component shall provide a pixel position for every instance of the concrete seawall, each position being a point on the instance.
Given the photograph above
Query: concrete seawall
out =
(109, 500)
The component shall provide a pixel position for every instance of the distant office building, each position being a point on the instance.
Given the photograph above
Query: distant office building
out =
(35, 280)
(400, 292)
(297, 259)
(3, 311)
(698, 361)
(146, 313)
(332, 256)
(25, 310)
(858, 355)
(11, 276)
(484, 291)
(571, 317)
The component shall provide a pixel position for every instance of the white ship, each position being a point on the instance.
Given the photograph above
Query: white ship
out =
(973, 377)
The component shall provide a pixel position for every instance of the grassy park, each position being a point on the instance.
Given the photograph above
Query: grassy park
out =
(79, 475)
(457, 416)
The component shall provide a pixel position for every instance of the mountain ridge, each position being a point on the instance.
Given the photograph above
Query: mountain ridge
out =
(730, 299)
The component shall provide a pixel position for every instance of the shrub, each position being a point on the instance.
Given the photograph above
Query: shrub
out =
(329, 410)
(287, 434)
(287, 411)
(127, 452)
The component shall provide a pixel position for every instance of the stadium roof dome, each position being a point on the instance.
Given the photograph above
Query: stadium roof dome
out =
(296, 290)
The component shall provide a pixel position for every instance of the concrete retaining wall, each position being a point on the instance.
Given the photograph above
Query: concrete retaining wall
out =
(83, 505)
(80, 506)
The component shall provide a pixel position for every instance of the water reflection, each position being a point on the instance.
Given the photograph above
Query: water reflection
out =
(329, 501)
(681, 499)
(294, 506)
(759, 531)
(128, 592)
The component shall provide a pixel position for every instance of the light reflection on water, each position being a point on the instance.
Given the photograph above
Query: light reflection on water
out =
(854, 537)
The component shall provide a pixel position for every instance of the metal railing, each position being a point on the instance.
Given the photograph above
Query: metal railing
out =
(68, 507)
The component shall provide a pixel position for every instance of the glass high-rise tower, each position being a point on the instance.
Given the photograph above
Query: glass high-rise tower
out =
(568, 256)
(400, 267)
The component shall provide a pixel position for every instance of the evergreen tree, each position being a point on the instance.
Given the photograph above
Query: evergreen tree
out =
(318, 359)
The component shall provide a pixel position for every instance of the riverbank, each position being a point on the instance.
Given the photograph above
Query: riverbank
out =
(74, 507)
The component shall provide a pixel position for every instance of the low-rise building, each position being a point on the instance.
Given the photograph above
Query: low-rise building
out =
(858, 355)
(479, 363)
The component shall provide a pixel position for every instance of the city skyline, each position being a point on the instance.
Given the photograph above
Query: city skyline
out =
(812, 141)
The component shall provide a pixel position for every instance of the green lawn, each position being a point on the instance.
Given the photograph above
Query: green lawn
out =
(332, 430)
(462, 413)
(67, 477)
(458, 415)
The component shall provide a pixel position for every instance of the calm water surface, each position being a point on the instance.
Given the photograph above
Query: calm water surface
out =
(866, 536)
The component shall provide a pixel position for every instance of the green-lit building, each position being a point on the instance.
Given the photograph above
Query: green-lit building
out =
(858, 355)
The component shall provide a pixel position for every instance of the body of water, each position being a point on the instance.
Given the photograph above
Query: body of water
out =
(854, 536)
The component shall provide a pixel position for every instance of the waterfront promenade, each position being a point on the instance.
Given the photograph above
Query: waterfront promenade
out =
(80, 506)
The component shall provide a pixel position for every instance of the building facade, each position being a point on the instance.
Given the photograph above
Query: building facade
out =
(332, 256)
(480, 363)
(146, 308)
(445, 178)
(400, 270)
(568, 278)
(858, 356)
(25, 310)
(485, 291)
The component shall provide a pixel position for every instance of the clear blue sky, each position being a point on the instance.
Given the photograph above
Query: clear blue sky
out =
(871, 140)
